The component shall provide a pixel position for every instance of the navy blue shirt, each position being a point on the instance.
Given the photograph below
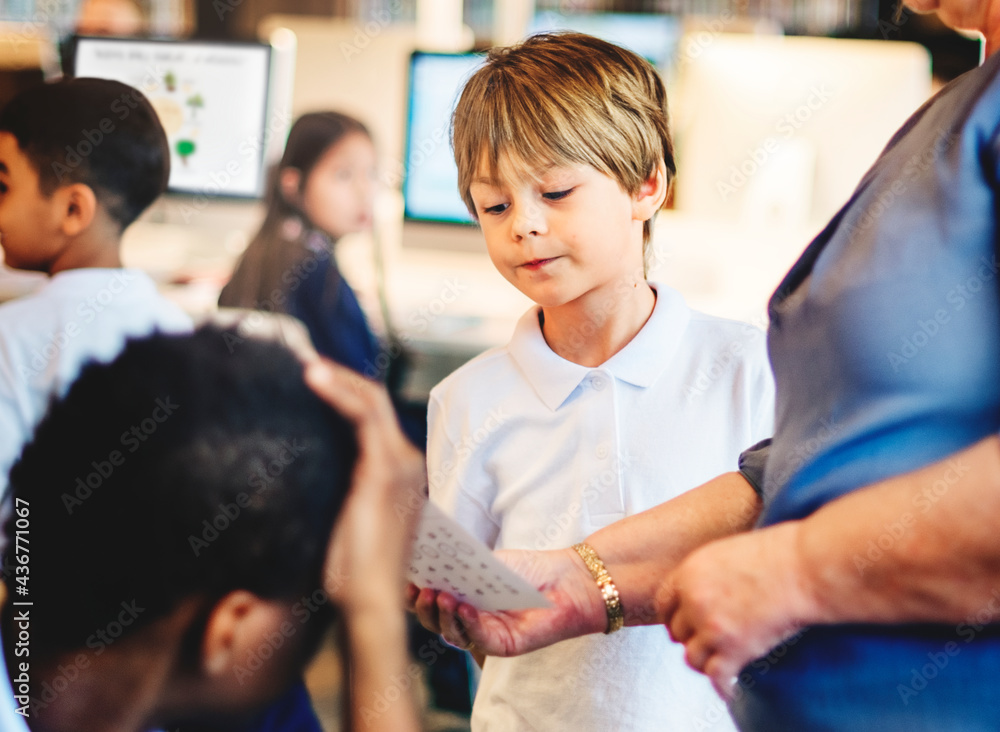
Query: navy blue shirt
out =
(885, 345)
(321, 298)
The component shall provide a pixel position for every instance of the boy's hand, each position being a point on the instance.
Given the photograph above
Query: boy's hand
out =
(371, 543)
(577, 608)
(371, 540)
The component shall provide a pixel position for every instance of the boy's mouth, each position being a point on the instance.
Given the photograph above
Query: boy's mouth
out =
(535, 264)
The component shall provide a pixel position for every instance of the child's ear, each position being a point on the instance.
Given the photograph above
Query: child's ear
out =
(652, 193)
(77, 206)
(235, 628)
(290, 181)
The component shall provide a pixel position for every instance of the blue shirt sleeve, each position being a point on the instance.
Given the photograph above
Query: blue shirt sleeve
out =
(752, 463)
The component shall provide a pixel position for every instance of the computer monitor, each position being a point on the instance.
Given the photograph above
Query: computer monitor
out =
(655, 37)
(434, 214)
(211, 97)
(430, 188)
(777, 131)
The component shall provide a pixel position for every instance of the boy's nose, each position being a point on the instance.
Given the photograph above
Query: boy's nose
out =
(530, 221)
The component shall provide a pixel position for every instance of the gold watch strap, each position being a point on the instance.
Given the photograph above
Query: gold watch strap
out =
(612, 603)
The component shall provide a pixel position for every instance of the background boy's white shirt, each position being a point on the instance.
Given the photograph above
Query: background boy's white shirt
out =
(45, 339)
(530, 451)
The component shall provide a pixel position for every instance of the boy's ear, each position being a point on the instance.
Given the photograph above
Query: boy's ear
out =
(236, 627)
(651, 195)
(290, 181)
(77, 207)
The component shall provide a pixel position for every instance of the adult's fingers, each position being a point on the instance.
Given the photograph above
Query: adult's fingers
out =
(697, 653)
(680, 628)
(426, 609)
(722, 672)
(410, 595)
(452, 627)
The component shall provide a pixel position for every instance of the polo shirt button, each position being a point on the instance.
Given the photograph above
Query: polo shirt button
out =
(598, 382)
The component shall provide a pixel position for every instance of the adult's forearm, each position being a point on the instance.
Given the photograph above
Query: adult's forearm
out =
(641, 550)
(923, 546)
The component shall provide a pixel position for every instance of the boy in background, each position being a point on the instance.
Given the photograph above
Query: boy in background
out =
(79, 161)
(599, 407)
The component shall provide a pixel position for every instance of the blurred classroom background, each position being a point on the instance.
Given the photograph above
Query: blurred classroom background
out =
(778, 108)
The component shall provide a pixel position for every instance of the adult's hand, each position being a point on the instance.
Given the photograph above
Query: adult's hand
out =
(577, 608)
(736, 598)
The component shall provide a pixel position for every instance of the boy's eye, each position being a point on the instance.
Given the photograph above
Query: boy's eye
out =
(498, 209)
(557, 195)
(3, 187)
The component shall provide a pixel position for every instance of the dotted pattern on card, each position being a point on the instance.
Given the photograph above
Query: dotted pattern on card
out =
(448, 558)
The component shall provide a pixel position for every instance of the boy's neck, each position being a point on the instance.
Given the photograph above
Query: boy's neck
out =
(593, 328)
(97, 246)
(84, 255)
(104, 694)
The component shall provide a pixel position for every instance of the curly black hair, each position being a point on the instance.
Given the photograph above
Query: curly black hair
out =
(183, 469)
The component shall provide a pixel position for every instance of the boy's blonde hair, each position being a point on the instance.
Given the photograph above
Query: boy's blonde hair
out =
(565, 99)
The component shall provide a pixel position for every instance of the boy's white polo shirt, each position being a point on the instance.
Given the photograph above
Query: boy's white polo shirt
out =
(531, 451)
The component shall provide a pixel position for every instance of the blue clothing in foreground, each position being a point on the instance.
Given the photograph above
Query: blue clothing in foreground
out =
(885, 344)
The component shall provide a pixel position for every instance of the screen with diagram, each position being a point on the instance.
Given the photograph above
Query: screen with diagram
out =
(210, 97)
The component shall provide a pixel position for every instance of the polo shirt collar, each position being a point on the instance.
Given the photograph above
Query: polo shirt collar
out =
(640, 363)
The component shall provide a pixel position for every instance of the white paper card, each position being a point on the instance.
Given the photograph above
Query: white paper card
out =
(448, 558)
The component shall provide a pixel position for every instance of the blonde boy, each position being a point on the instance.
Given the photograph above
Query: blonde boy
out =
(599, 406)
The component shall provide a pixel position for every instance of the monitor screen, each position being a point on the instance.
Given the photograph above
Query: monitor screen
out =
(211, 98)
(430, 188)
(653, 36)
